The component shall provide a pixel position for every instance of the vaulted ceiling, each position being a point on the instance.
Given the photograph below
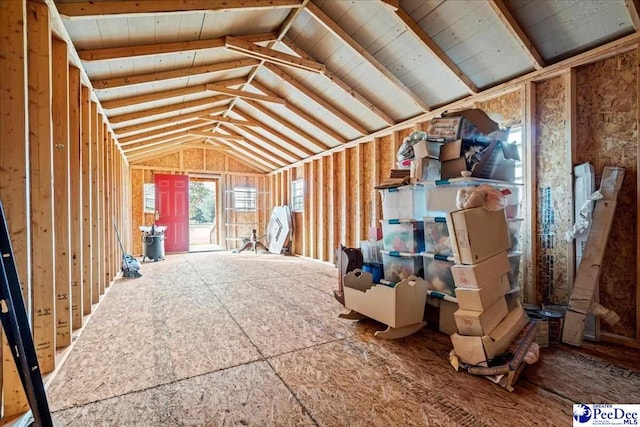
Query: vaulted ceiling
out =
(275, 81)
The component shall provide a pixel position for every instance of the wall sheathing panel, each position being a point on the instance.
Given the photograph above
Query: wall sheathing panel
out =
(553, 192)
(607, 114)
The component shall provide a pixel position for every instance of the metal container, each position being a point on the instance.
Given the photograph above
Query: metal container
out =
(555, 314)
(153, 245)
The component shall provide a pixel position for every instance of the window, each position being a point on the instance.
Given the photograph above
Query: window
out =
(297, 195)
(149, 198)
(244, 199)
(515, 137)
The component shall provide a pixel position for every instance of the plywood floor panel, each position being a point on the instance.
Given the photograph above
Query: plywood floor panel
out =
(256, 397)
(244, 339)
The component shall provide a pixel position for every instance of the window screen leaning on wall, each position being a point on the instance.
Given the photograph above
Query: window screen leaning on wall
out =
(297, 195)
(244, 199)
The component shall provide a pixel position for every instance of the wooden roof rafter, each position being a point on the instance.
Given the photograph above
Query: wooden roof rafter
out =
(432, 47)
(303, 115)
(633, 7)
(209, 101)
(158, 147)
(342, 85)
(166, 94)
(333, 27)
(139, 128)
(162, 138)
(179, 73)
(252, 50)
(220, 119)
(275, 133)
(291, 125)
(255, 149)
(514, 28)
(150, 144)
(243, 154)
(244, 94)
(300, 87)
(104, 54)
(92, 9)
(215, 135)
(163, 132)
(259, 143)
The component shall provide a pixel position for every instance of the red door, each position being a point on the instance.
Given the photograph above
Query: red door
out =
(172, 203)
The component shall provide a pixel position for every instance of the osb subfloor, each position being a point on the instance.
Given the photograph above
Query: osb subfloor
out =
(210, 339)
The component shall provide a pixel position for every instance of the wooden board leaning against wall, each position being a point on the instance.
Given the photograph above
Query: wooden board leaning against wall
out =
(204, 162)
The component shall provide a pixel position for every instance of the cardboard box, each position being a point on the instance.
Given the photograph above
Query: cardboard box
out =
(469, 124)
(425, 148)
(479, 350)
(425, 169)
(446, 319)
(477, 234)
(497, 160)
(480, 323)
(483, 273)
(480, 299)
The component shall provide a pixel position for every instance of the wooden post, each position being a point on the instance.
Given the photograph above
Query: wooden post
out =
(327, 196)
(76, 198)
(106, 184)
(87, 201)
(41, 152)
(14, 173)
(95, 237)
(531, 190)
(376, 208)
(319, 208)
(342, 196)
(101, 204)
(307, 209)
(61, 186)
(350, 194)
(313, 207)
(361, 221)
(572, 135)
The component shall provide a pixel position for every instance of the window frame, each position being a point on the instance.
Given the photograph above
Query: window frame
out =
(297, 195)
(247, 202)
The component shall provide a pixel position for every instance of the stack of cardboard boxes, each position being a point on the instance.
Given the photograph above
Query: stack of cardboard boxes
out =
(486, 323)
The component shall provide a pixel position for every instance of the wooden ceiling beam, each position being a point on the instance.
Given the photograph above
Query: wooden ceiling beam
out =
(215, 135)
(341, 34)
(243, 94)
(99, 9)
(147, 144)
(342, 85)
(434, 49)
(508, 20)
(208, 145)
(293, 126)
(276, 133)
(317, 99)
(303, 114)
(154, 141)
(145, 157)
(167, 94)
(271, 55)
(210, 101)
(633, 6)
(173, 74)
(264, 147)
(166, 48)
(158, 148)
(168, 120)
(244, 154)
(220, 119)
(193, 124)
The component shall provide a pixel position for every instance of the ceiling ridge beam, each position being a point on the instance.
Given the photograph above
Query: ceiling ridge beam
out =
(166, 94)
(110, 53)
(172, 74)
(243, 94)
(171, 108)
(303, 114)
(333, 27)
(357, 96)
(88, 9)
(168, 120)
(434, 49)
(161, 132)
(516, 31)
(293, 126)
(255, 148)
(242, 113)
(292, 81)
(270, 55)
(276, 151)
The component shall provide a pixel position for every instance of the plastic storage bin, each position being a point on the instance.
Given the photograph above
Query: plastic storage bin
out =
(403, 235)
(514, 272)
(440, 196)
(406, 202)
(437, 241)
(437, 273)
(400, 265)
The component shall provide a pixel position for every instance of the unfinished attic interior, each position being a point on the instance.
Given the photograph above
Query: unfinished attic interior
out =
(319, 212)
